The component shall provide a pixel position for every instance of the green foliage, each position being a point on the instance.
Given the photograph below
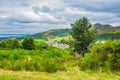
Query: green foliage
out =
(105, 56)
(43, 57)
(91, 61)
(48, 59)
(82, 35)
(10, 44)
(55, 52)
(109, 46)
(113, 61)
(41, 46)
(28, 43)
(109, 36)
(64, 41)
(52, 65)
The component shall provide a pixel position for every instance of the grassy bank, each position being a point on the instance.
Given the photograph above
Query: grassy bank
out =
(73, 73)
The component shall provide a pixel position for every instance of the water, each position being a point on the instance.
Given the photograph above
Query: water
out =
(12, 35)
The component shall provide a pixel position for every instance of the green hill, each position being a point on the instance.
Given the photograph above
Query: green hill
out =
(104, 32)
(52, 33)
(106, 29)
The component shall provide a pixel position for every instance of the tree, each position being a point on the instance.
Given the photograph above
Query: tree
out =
(28, 43)
(82, 34)
(10, 44)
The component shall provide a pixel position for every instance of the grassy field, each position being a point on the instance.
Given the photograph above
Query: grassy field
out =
(73, 73)
(60, 38)
(39, 40)
(46, 62)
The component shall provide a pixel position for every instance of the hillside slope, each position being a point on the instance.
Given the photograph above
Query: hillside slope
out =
(106, 29)
(104, 32)
(52, 33)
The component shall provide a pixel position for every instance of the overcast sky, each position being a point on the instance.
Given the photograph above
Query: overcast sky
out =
(32, 16)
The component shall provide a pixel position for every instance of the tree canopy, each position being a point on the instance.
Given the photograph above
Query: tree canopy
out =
(82, 34)
(28, 43)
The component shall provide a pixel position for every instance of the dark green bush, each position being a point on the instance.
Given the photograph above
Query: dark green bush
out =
(28, 43)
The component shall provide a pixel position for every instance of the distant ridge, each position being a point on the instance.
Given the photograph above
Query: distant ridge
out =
(52, 33)
(105, 31)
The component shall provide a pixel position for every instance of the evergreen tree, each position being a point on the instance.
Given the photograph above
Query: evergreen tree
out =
(82, 35)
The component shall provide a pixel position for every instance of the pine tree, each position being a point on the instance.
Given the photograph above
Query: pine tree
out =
(82, 35)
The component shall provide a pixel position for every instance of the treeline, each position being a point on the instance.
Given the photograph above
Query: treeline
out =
(13, 43)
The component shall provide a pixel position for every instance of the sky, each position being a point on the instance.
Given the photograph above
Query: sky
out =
(33, 16)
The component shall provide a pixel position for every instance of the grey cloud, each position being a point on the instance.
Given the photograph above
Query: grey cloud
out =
(24, 4)
(14, 3)
(95, 5)
(45, 9)
(33, 16)
(37, 9)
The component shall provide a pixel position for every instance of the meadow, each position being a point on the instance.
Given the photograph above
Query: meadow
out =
(72, 73)
(45, 62)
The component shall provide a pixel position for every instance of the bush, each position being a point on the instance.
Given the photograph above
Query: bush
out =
(28, 43)
(33, 60)
(10, 44)
(113, 62)
(102, 56)
(41, 46)
(52, 65)
(91, 61)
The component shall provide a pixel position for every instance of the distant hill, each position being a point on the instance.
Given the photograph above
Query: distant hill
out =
(52, 33)
(104, 32)
(105, 29)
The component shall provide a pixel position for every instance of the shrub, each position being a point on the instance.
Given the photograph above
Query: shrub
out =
(32, 60)
(105, 56)
(10, 44)
(91, 61)
(113, 62)
(42, 46)
(52, 65)
(28, 43)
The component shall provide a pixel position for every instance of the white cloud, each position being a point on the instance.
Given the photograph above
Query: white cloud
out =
(32, 16)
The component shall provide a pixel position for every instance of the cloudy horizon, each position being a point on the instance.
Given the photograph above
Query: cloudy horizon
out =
(33, 16)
